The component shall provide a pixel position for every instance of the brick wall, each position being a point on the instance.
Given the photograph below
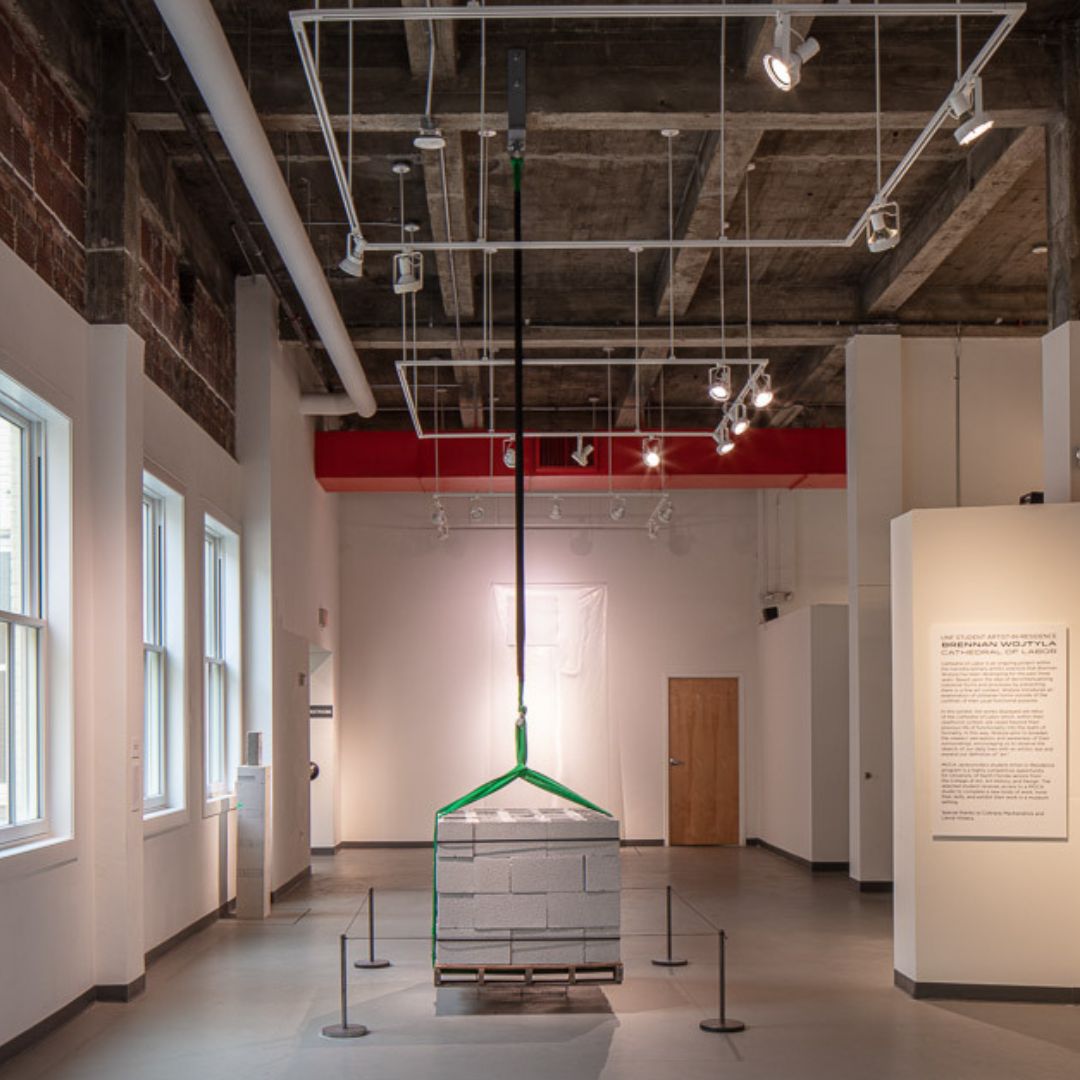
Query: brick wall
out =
(42, 169)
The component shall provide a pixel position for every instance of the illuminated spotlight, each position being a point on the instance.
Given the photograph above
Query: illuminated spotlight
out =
(509, 454)
(618, 508)
(429, 136)
(724, 442)
(740, 421)
(476, 510)
(761, 393)
(783, 64)
(408, 272)
(969, 99)
(353, 263)
(650, 453)
(720, 382)
(583, 452)
(883, 227)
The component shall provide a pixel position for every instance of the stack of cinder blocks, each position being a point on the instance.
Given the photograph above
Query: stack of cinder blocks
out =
(527, 887)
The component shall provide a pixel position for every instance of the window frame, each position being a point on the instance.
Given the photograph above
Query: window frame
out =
(32, 572)
(155, 643)
(221, 667)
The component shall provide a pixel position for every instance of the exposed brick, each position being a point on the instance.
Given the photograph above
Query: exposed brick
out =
(77, 153)
(22, 79)
(7, 55)
(21, 153)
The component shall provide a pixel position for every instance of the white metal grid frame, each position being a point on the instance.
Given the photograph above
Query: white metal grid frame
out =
(1009, 14)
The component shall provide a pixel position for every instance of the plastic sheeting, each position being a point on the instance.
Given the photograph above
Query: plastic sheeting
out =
(571, 734)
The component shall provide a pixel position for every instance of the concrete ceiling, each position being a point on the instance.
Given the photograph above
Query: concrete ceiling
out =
(597, 168)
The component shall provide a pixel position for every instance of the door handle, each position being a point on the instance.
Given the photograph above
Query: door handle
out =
(675, 761)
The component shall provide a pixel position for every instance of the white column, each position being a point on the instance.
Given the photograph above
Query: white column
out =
(875, 497)
(116, 452)
(1061, 413)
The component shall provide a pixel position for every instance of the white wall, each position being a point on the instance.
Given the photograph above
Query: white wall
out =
(999, 912)
(801, 720)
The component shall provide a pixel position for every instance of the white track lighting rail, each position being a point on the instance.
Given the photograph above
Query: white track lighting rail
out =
(1009, 15)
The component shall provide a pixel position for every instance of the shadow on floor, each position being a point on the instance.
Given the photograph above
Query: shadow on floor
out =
(519, 1001)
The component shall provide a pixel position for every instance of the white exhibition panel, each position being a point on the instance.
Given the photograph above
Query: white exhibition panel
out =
(980, 910)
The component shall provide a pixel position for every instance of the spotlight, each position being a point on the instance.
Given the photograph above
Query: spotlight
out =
(724, 442)
(650, 453)
(618, 508)
(429, 136)
(556, 509)
(408, 272)
(353, 263)
(783, 64)
(720, 382)
(762, 392)
(509, 453)
(969, 99)
(476, 510)
(740, 421)
(665, 511)
(653, 528)
(583, 452)
(883, 227)
(438, 512)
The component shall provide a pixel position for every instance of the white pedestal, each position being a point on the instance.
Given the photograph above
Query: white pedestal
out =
(253, 795)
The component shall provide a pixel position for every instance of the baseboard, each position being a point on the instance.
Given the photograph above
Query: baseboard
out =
(872, 886)
(641, 843)
(327, 850)
(295, 880)
(121, 992)
(370, 844)
(814, 866)
(170, 943)
(938, 991)
(47, 1026)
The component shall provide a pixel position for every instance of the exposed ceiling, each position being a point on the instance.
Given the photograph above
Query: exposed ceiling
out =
(599, 93)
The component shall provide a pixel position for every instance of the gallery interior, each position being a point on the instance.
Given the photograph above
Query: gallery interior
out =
(540, 538)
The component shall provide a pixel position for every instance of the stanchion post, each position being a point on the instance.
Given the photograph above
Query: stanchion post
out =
(344, 1030)
(669, 960)
(723, 1023)
(371, 962)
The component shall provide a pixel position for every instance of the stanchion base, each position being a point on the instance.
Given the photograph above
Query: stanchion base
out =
(370, 964)
(347, 1031)
(671, 963)
(722, 1026)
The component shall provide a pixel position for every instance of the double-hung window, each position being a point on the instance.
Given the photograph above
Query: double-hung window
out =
(221, 657)
(155, 658)
(22, 629)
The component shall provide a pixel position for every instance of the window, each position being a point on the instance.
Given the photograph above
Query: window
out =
(221, 650)
(22, 738)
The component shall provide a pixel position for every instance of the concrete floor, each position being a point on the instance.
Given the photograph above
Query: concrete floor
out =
(810, 971)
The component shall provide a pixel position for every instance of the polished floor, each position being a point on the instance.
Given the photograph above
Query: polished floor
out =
(810, 971)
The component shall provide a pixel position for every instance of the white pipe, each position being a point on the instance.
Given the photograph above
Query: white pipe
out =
(326, 405)
(202, 43)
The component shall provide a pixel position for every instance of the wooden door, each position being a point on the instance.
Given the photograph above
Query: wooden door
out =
(703, 762)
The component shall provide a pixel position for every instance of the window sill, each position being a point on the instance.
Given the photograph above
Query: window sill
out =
(167, 819)
(218, 804)
(34, 855)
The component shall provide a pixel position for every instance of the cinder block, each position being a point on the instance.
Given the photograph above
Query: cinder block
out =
(547, 952)
(491, 874)
(583, 825)
(602, 872)
(546, 873)
(456, 913)
(454, 875)
(453, 828)
(540, 934)
(507, 911)
(602, 952)
(455, 849)
(476, 951)
(590, 910)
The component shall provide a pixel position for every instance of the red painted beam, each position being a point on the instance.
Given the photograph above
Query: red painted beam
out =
(399, 461)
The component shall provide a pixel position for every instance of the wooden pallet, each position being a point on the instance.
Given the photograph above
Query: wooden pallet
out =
(528, 974)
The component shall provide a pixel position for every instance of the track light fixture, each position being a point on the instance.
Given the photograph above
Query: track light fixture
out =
(618, 508)
(353, 263)
(408, 272)
(740, 420)
(653, 528)
(509, 453)
(720, 382)
(783, 64)
(429, 137)
(439, 519)
(724, 442)
(665, 510)
(883, 227)
(969, 99)
(761, 393)
(581, 455)
(476, 510)
(650, 452)
(556, 509)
